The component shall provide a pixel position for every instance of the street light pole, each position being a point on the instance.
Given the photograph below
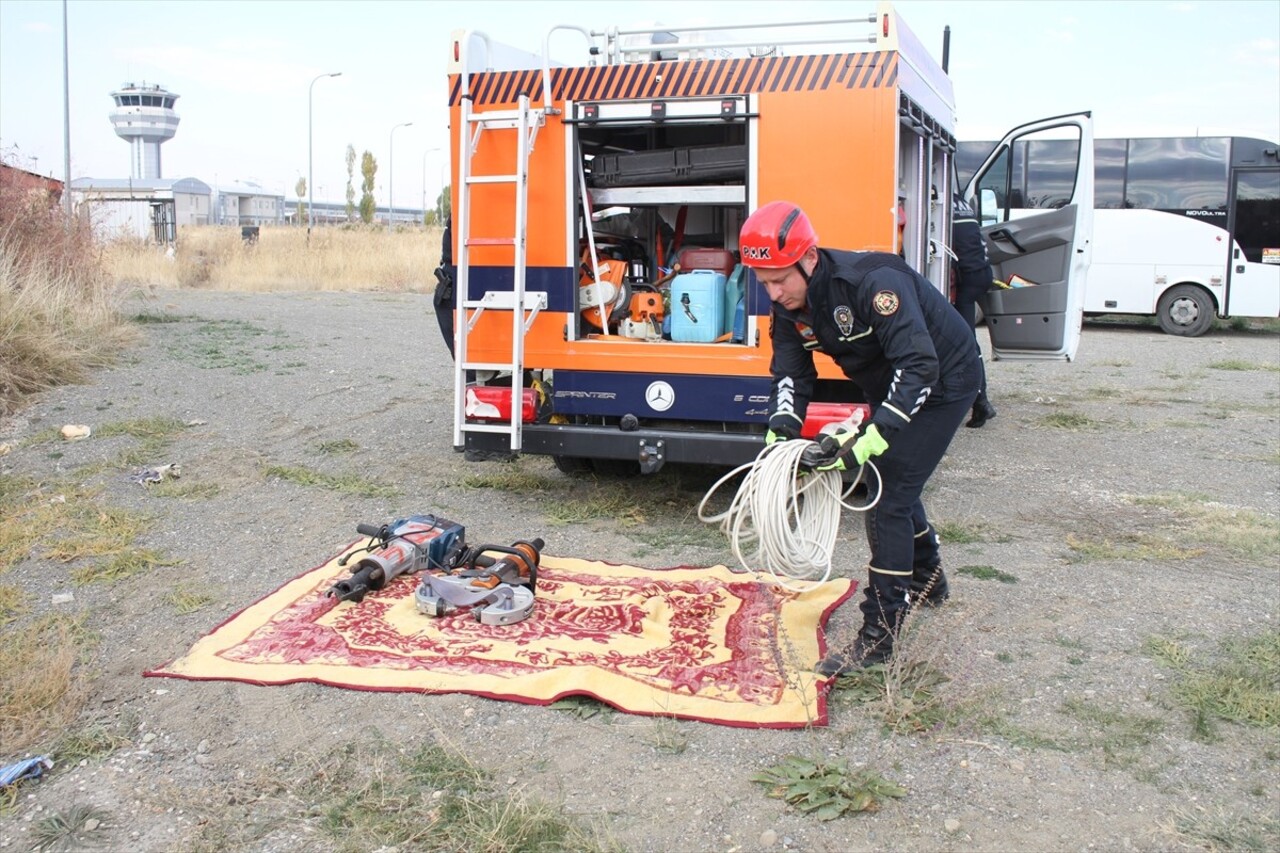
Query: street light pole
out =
(311, 217)
(391, 174)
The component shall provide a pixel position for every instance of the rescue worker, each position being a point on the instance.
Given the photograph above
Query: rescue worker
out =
(973, 278)
(900, 341)
(444, 299)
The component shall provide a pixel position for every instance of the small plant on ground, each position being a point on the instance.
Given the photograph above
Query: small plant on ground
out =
(88, 743)
(345, 484)
(186, 599)
(667, 736)
(1240, 684)
(987, 573)
(582, 707)
(827, 789)
(1070, 421)
(69, 830)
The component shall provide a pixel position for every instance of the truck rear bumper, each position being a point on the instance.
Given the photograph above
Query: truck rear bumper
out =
(650, 448)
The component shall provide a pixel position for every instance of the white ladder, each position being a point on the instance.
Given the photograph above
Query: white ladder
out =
(524, 307)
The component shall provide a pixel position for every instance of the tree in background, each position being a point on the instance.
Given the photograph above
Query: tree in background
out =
(300, 190)
(351, 189)
(444, 206)
(368, 207)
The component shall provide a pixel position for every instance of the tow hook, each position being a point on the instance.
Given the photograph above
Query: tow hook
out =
(651, 456)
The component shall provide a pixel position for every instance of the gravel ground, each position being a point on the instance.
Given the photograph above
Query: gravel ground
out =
(1062, 732)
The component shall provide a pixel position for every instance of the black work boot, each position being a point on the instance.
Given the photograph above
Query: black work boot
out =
(873, 645)
(983, 411)
(929, 587)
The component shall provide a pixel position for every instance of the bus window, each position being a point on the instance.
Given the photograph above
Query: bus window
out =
(1051, 172)
(1258, 215)
(1186, 173)
(1108, 172)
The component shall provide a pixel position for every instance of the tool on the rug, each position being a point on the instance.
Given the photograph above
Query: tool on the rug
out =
(498, 590)
(406, 546)
(787, 513)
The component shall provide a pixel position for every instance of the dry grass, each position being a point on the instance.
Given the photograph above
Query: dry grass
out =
(337, 258)
(40, 692)
(58, 310)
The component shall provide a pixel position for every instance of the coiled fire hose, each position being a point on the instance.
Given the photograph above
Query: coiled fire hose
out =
(784, 518)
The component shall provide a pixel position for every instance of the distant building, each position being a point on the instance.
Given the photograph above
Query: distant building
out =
(146, 210)
(144, 118)
(246, 204)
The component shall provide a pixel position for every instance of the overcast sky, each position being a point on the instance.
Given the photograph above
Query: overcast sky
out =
(242, 70)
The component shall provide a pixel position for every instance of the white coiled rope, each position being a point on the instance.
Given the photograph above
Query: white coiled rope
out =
(783, 519)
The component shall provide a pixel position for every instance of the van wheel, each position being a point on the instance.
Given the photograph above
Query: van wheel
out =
(1185, 310)
(572, 464)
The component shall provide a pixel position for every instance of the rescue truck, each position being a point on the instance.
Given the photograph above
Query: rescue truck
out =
(603, 317)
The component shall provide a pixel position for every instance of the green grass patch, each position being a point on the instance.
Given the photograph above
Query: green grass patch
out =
(141, 428)
(187, 490)
(511, 478)
(89, 743)
(582, 707)
(1140, 547)
(1239, 532)
(224, 345)
(1120, 736)
(337, 446)
(1072, 421)
(187, 599)
(345, 484)
(371, 798)
(826, 788)
(120, 566)
(987, 573)
(1237, 364)
(1241, 683)
(149, 318)
(1221, 830)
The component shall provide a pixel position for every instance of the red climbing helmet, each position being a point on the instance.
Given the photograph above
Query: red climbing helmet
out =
(776, 236)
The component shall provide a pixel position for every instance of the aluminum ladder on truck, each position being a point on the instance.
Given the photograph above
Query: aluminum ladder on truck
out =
(523, 307)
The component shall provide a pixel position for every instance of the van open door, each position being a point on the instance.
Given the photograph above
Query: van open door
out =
(1034, 197)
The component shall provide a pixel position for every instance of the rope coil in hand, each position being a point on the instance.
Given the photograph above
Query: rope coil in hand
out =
(783, 518)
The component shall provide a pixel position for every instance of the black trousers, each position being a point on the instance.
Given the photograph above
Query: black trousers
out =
(899, 534)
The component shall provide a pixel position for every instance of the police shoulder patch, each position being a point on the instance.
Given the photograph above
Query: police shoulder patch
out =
(885, 302)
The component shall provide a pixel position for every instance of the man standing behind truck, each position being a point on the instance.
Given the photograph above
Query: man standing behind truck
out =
(973, 278)
(900, 341)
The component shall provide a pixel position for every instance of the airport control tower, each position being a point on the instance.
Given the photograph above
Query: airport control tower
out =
(144, 118)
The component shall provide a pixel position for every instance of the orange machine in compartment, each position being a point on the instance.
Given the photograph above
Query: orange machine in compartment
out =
(582, 191)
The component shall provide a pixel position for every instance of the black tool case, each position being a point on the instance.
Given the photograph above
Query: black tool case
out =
(700, 164)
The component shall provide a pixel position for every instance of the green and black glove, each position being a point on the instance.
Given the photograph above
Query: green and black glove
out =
(845, 451)
(782, 432)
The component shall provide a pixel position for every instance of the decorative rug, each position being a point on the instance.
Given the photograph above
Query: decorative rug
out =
(704, 644)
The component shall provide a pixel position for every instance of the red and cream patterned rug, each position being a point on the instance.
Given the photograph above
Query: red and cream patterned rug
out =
(695, 643)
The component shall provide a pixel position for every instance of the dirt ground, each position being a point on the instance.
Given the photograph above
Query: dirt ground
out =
(1117, 505)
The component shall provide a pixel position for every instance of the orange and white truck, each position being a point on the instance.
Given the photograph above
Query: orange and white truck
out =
(602, 315)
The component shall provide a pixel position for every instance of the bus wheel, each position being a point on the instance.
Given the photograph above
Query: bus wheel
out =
(1185, 310)
(572, 464)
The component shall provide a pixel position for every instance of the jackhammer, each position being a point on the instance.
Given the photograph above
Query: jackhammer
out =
(406, 546)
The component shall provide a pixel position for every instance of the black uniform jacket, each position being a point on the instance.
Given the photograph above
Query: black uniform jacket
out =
(973, 266)
(888, 328)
